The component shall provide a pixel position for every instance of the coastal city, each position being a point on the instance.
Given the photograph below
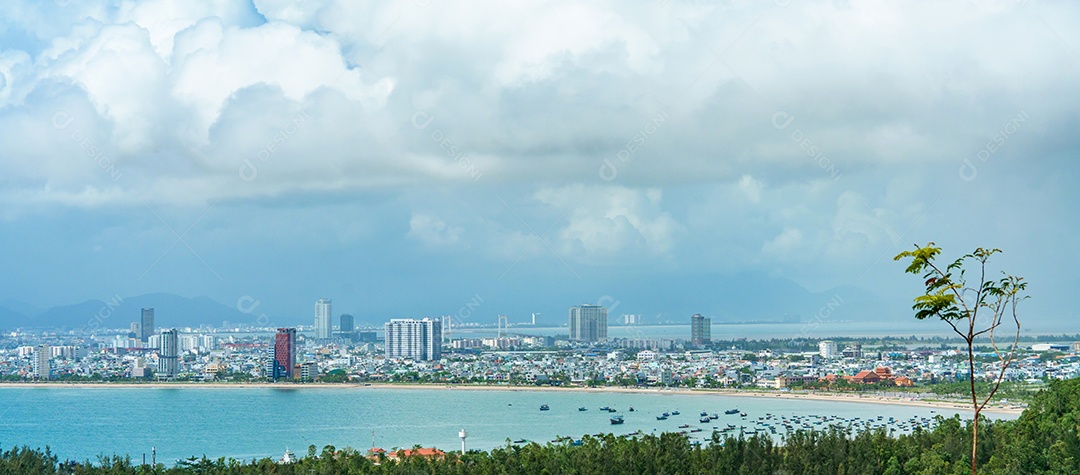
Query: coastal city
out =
(427, 351)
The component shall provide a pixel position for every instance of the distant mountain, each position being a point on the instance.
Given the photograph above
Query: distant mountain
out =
(169, 311)
(18, 306)
(10, 318)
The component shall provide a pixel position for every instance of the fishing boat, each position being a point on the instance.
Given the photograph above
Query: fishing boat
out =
(731, 411)
(544, 407)
(616, 419)
(674, 413)
(582, 409)
(704, 419)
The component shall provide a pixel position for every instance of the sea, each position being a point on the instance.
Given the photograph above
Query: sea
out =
(814, 328)
(82, 423)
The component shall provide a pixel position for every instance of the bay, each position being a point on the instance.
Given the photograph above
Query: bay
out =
(81, 423)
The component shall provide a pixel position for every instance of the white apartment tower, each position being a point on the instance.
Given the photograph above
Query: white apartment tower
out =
(168, 354)
(43, 362)
(828, 349)
(588, 323)
(322, 319)
(415, 339)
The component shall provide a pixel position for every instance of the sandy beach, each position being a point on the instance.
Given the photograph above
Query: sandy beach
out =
(912, 400)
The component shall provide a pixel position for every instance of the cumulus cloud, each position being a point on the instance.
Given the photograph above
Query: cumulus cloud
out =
(607, 221)
(549, 91)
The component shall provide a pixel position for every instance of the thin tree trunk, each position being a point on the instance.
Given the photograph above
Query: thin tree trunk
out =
(975, 406)
(974, 441)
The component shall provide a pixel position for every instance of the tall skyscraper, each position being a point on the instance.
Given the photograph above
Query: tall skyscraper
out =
(168, 354)
(346, 325)
(588, 323)
(282, 354)
(147, 324)
(700, 330)
(322, 319)
(43, 362)
(415, 339)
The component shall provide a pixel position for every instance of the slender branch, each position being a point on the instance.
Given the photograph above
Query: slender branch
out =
(1012, 352)
(957, 330)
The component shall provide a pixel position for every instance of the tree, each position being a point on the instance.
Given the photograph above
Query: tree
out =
(949, 298)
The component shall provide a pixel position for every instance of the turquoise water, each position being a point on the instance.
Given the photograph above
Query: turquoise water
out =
(81, 423)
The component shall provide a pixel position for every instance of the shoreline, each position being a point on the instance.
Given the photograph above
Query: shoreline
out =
(810, 396)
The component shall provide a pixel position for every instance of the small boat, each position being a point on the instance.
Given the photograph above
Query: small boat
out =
(604, 408)
(520, 441)
(611, 409)
(696, 429)
(674, 413)
(544, 407)
(616, 419)
(742, 414)
(731, 411)
(582, 408)
(662, 417)
(714, 416)
(667, 414)
(631, 408)
(683, 426)
(704, 419)
(703, 414)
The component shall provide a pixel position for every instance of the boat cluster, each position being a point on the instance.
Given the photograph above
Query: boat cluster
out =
(775, 424)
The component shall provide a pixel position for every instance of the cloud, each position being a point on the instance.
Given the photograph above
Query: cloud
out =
(605, 222)
(520, 101)
(433, 231)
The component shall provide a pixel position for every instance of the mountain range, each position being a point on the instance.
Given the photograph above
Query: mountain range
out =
(735, 298)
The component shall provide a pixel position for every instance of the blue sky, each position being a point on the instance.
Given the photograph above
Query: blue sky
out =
(406, 159)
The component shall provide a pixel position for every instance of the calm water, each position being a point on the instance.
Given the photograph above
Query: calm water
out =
(759, 331)
(80, 423)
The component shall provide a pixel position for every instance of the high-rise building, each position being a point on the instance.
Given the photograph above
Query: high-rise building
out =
(700, 330)
(588, 323)
(43, 362)
(168, 354)
(346, 323)
(147, 324)
(828, 349)
(414, 339)
(322, 319)
(282, 354)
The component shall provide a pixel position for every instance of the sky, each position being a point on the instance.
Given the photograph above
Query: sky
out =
(426, 157)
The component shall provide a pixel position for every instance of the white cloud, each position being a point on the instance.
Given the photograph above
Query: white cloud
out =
(604, 222)
(432, 231)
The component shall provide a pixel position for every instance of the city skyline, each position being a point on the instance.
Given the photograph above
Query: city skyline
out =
(661, 156)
